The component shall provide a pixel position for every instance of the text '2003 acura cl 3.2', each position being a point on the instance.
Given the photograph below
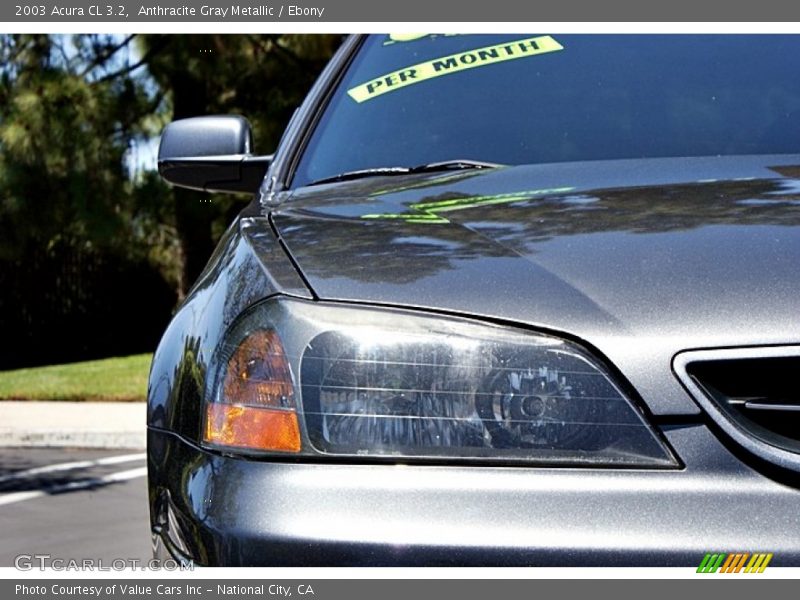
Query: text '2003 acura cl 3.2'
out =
(498, 300)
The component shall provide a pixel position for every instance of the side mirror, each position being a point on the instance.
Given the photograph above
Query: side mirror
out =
(212, 154)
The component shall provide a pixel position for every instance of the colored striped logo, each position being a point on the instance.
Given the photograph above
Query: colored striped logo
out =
(735, 562)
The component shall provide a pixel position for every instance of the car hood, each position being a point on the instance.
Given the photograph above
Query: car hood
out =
(640, 259)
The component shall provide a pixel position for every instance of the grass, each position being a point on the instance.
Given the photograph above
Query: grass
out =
(121, 379)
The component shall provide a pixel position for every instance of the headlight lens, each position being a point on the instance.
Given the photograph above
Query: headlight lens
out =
(396, 384)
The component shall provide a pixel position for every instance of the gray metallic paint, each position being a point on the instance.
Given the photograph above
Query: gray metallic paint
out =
(239, 512)
(247, 266)
(640, 260)
(650, 270)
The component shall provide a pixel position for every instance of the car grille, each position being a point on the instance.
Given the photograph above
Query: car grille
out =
(753, 394)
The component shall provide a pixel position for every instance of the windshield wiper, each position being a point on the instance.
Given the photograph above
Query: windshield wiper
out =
(445, 165)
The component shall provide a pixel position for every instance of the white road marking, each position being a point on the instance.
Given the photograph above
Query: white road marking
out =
(74, 485)
(71, 466)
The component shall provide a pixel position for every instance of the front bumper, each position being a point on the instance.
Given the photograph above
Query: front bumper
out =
(221, 510)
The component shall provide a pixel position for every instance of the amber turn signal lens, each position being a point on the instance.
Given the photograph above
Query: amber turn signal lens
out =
(258, 373)
(252, 427)
(256, 409)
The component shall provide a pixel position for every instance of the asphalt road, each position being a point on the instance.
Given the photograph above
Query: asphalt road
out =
(73, 504)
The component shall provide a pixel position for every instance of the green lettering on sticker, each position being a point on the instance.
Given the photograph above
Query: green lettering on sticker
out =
(407, 74)
(453, 63)
(528, 46)
(439, 65)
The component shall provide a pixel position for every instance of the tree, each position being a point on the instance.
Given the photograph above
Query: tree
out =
(72, 259)
(72, 107)
(64, 133)
(263, 77)
(75, 217)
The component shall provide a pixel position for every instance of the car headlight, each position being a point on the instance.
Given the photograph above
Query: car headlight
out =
(318, 380)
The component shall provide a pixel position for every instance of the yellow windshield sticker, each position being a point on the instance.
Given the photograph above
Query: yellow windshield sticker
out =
(454, 63)
(407, 37)
(395, 38)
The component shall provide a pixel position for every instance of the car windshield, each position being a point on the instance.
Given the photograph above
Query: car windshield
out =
(411, 100)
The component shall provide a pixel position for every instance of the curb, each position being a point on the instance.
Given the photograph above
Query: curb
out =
(73, 439)
(112, 425)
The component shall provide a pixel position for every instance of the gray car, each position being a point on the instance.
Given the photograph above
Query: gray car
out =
(498, 300)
